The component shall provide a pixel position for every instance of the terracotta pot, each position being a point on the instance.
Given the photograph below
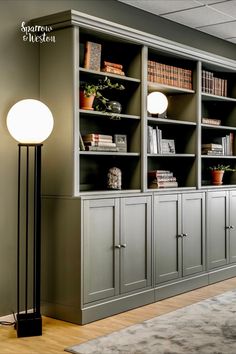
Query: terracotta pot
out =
(86, 102)
(217, 177)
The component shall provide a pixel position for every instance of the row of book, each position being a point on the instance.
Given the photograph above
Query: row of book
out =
(169, 75)
(223, 146)
(161, 179)
(156, 144)
(213, 85)
(92, 60)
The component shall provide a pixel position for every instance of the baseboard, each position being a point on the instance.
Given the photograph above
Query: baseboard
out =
(163, 291)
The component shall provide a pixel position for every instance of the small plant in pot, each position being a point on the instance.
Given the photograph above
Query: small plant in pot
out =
(90, 91)
(217, 173)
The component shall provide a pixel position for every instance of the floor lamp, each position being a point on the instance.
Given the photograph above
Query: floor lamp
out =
(29, 122)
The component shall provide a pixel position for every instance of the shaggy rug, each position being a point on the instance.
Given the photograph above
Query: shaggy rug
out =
(207, 327)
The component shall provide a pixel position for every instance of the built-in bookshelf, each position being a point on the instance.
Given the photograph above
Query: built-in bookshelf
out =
(97, 225)
(201, 96)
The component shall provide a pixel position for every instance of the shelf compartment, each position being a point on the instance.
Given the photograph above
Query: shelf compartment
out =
(130, 106)
(183, 168)
(94, 168)
(93, 123)
(184, 136)
(224, 110)
(229, 177)
(112, 50)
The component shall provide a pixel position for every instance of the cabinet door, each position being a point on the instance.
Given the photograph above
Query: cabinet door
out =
(217, 220)
(193, 231)
(167, 223)
(135, 238)
(101, 257)
(232, 224)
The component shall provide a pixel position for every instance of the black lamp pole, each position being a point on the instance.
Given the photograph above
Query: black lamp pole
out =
(28, 318)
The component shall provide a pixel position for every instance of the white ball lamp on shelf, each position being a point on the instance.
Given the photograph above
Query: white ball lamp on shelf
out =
(157, 104)
(30, 122)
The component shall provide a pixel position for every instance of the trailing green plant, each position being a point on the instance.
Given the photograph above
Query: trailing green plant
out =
(91, 89)
(221, 168)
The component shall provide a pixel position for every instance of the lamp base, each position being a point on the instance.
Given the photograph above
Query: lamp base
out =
(28, 325)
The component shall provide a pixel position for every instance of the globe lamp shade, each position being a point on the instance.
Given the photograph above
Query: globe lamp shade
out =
(157, 103)
(30, 121)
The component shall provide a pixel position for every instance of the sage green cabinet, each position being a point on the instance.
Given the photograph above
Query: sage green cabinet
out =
(117, 246)
(179, 235)
(221, 228)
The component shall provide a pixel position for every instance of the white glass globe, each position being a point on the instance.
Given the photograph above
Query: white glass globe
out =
(157, 103)
(30, 121)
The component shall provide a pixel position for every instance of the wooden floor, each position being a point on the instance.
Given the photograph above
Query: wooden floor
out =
(58, 335)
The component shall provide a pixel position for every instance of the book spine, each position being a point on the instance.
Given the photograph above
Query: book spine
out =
(92, 57)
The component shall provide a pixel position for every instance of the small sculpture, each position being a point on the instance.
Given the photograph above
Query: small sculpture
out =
(114, 178)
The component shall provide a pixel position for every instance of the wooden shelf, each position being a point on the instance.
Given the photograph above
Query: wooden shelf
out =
(210, 97)
(170, 121)
(154, 86)
(107, 114)
(103, 74)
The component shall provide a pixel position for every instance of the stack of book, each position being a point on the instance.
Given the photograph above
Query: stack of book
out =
(169, 75)
(99, 142)
(211, 121)
(161, 179)
(113, 68)
(213, 85)
(212, 149)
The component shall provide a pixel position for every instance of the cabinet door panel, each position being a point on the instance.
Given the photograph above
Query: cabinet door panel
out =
(101, 232)
(232, 222)
(135, 249)
(217, 220)
(167, 243)
(194, 227)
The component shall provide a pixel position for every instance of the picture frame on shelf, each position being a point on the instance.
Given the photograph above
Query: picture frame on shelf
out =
(121, 142)
(167, 146)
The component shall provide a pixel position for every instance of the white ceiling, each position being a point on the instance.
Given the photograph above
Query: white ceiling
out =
(215, 17)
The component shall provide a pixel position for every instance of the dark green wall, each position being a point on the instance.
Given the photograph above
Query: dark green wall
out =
(19, 78)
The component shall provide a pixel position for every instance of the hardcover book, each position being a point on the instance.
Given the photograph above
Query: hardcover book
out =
(92, 57)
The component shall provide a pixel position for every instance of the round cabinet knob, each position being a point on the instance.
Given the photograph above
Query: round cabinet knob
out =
(232, 227)
(117, 246)
(185, 235)
(123, 245)
(228, 227)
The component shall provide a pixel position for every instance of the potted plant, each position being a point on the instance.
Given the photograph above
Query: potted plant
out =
(90, 91)
(217, 173)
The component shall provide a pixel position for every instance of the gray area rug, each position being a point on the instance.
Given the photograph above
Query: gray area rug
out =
(207, 327)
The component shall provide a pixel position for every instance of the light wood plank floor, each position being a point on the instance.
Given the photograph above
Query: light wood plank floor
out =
(58, 335)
